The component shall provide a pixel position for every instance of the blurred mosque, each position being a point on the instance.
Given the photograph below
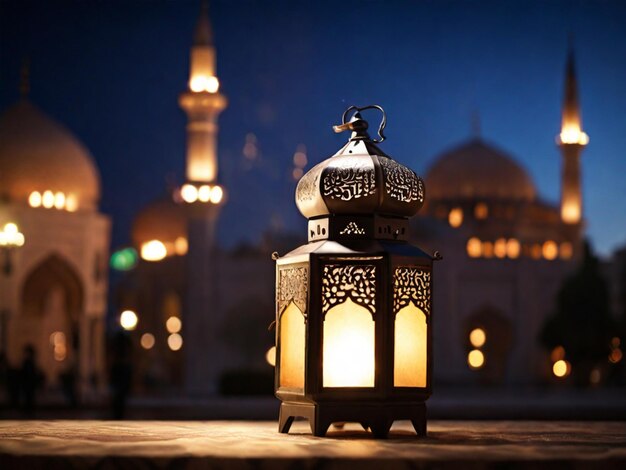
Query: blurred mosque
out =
(197, 314)
(509, 253)
(506, 251)
(53, 295)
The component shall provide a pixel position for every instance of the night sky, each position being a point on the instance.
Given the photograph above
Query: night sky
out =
(112, 71)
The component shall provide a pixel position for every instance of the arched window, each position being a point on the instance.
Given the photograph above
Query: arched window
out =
(349, 351)
(292, 341)
(410, 341)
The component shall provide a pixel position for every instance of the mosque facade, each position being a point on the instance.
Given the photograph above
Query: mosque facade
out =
(54, 287)
(506, 253)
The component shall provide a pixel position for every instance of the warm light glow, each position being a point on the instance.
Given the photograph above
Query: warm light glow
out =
(189, 193)
(204, 193)
(474, 247)
(60, 352)
(71, 203)
(535, 251)
(250, 150)
(566, 250)
(154, 250)
(11, 228)
(297, 173)
(557, 353)
(513, 248)
(175, 341)
(58, 337)
(455, 217)
(48, 199)
(478, 337)
(147, 341)
(348, 346)
(34, 200)
(499, 248)
(181, 246)
(476, 359)
(217, 193)
(572, 134)
(615, 356)
(59, 200)
(487, 249)
(481, 211)
(200, 83)
(410, 347)
(561, 368)
(292, 340)
(615, 342)
(270, 356)
(173, 325)
(59, 345)
(11, 236)
(550, 250)
(595, 376)
(129, 320)
(570, 212)
(299, 158)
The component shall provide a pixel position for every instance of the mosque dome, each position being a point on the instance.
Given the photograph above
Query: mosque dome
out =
(164, 222)
(39, 155)
(477, 170)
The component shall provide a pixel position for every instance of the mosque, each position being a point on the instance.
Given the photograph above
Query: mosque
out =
(509, 253)
(54, 287)
(196, 312)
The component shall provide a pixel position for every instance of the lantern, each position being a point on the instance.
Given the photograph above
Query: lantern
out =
(353, 305)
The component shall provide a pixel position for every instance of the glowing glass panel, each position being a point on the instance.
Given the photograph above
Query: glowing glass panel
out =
(349, 346)
(292, 340)
(410, 353)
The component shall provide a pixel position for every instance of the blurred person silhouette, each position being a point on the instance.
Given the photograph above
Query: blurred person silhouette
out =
(30, 379)
(120, 377)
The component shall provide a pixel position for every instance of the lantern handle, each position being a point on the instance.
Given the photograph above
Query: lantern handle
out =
(383, 123)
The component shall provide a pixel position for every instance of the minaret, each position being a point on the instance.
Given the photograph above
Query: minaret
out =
(572, 140)
(202, 103)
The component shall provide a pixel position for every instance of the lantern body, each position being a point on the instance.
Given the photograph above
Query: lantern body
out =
(353, 306)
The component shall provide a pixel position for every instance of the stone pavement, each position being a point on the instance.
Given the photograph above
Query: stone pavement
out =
(257, 445)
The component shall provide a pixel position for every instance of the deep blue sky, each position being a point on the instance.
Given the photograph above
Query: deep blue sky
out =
(112, 71)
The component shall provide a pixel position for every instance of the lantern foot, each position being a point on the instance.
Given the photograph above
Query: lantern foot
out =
(377, 418)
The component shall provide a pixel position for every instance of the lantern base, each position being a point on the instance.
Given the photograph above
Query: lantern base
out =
(377, 417)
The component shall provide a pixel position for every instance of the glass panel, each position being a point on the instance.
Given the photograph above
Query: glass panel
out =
(349, 346)
(292, 340)
(410, 351)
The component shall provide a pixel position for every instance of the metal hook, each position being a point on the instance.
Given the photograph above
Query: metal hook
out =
(381, 128)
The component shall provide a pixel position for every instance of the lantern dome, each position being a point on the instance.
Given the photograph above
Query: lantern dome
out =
(360, 179)
(37, 154)
(478, 170)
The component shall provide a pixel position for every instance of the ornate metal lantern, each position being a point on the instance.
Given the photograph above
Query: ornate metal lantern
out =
(353, 305)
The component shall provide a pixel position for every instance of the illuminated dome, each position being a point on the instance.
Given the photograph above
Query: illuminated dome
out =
(161, 221)
(476, 170)
(37, 154)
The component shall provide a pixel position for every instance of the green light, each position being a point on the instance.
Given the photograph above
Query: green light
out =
(124, 259)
